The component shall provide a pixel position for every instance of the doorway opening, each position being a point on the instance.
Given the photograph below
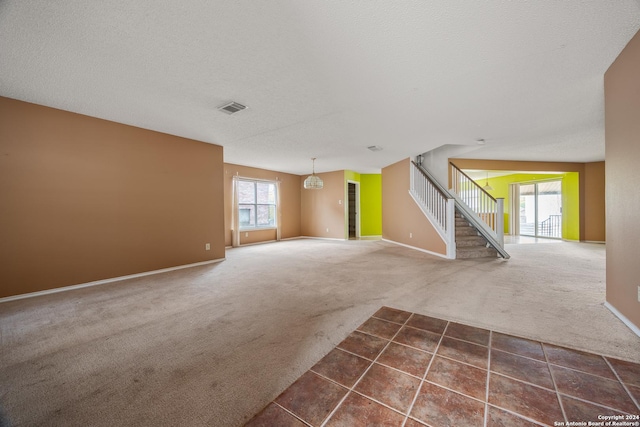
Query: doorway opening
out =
(540, 209)
(353, 208)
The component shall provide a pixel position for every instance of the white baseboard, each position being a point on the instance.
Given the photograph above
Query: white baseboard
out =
(623, 318)
(323, 238)
(256, 243)
(417, 249)
(104, 281)
(371, 237)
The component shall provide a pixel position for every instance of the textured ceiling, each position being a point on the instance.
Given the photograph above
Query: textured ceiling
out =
(328, 78)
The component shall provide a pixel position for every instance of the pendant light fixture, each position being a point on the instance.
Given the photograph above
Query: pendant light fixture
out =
(487, 187)
(313, 181)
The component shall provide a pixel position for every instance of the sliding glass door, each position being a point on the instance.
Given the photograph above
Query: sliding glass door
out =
(541, 209)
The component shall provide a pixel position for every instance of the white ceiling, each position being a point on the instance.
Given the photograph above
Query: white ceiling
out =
(328, 78)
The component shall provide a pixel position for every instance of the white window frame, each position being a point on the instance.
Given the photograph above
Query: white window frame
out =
(256, 204)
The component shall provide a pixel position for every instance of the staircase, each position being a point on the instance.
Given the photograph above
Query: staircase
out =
(469, 243)
(467, 218)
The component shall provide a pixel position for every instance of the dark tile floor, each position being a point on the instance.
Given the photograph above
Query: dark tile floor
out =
(405, 369)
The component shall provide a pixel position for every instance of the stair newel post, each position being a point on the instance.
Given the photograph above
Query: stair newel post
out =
(451, 228)
(500, 221)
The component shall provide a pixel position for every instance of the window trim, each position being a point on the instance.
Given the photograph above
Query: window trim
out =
(275, 205)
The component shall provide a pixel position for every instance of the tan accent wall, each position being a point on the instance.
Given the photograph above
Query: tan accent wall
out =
(289, 203)
(401, 216)
(592, 187)
(323, 210)
(622, 137)
(594, 203)
(84, 199)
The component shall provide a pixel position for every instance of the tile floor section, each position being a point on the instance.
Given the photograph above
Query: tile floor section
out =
(405, 369)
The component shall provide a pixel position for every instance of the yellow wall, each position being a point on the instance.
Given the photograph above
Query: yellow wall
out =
(591, 197)
(570, 198)
(371, 204)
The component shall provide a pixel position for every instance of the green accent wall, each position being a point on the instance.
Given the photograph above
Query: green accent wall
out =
(371, 205)
(370, 202)
(351, 176)
(571, 206)
(570, 197)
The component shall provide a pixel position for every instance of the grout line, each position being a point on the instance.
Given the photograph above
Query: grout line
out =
(580, 371)
(390, 321)
(520, 355)
(424, 377)
(379, 402)
(291, 413)
(633, 399)
(403, 344)
(519, 415)
(471, 365)
(467, 341)
(433, 354)
(486, 395)
(352, 388)
(454, 391)
(359, 393)
(596, 404)
(524, 381)
(354, 354)
(555, 386)
(400, 370)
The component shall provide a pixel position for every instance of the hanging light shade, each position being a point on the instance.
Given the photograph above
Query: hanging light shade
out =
(313, 181)
(487, 187)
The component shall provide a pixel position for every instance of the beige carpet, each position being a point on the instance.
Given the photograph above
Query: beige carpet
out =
(212, 345)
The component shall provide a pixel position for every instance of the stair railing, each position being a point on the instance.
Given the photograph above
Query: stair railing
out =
(480, 208)
(551, 226)
(436, 204)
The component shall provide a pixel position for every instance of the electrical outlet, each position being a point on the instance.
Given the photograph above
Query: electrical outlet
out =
(207, 247)
(411, 235)
(638, 293)
(327, 229)
(246, 234)
(339, 202)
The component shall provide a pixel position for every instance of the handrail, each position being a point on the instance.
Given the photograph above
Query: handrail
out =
(432, 179)
(481, 209)
(477, 198)
(436, 203)
(460, 171)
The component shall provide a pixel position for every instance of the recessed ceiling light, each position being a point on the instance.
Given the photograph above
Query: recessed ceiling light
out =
(232, 107)
(374, 148)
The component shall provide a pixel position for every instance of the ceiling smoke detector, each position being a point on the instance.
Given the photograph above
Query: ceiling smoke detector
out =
(232, 107)
(374, 148)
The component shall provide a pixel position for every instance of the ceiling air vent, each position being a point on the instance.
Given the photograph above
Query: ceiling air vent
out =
(374, 148)
(232, 107)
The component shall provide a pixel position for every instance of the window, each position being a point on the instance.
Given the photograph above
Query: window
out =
(256, 204)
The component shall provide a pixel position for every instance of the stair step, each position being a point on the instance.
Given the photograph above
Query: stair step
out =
(466, 231)
(466, 241)
(475, 252)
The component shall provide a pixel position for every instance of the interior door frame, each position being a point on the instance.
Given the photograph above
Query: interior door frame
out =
(346, 209)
